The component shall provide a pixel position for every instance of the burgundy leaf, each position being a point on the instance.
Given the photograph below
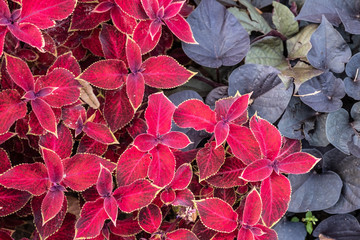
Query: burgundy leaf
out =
(126, 227)
(275, 194)
(210, 159)
(67, 230)
(150, 218)
(267, 135)
(11, 109)
(122, 21)
(42, 13)
(221, 132)
(27, 177)
(162, 166)
(226, 194)
(13, 199)
(107, 74)
(289, 146)
(3, 32)
(89, 145)
(133, 55)
(143, 38)
(104, 184)
(180, 234)
(184, 198)
(100, 133)
(6, 136)
(195, 114)
(132, 7)
(54, 165)
(135, 87)
(159, 114)
(49, 228)
(82, 170)
(45, 115)
(85, 19)
(29, 33)
(112, 42)
(182, 177)
(111, 208)
(93, 44)
(5, 163)
(217, 215)
(243, 144)
(91, 219)
(52, 204)
(165, 72)
(257, 171)
(19, 72)
(131, 166)
(135, 196)
(167, 196)
(117, 111)
(67, 61)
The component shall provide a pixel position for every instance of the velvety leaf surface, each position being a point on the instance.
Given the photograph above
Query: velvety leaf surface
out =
(12, 200)
(182, 177)
(104, 184)
(226, 194)
(184, 198)
(67, 230)
(257, 171)
(290, 230)
(11, 109)
(222, 40)
(325, 89)
(314, 191)
(112, 42)
(210, 159)
(217, 214)
(346, 167)
(45, 115)
(49, 228)
(29, 177)
(126, 227)
(329, 50)
(150, 218)
(135, 196)
(268, 90)
(252, 208)
(53, 164)
(100, 133)
(85, 19)
(131, 166)
(62, 145)
(19, 72)
(181, 234)
(52, 205)
(91, 219)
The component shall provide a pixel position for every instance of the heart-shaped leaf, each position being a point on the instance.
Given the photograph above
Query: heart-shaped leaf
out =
(339, 227)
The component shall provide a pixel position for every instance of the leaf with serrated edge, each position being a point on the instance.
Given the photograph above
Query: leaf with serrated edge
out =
(150, 218)
(209, 159)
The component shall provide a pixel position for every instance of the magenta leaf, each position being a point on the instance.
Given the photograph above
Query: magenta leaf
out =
(252, 208)
(13, 199)
(11, 109)
(54, 165)
(131, 166)
(126, 227)
(135, 87)
(133, 55)
(182, 177)
(150, 218)
(168, 195)
(217, 214)
(135, 196)
(122, 21)
(145, 142)
(111, 208)
(180, 234)
(176, 140)
(67, 61)
(45, 115)
(104, 184)
(221, 132)
(20, 73)
(132, 7)
(210, 159)
(181, 28)
(258, 170)
(297, 163)
(27, 177)
(113, 42)
(100, 133)
(29, 33)
(52, 204)
(143, 37)
(184, 198)
(91, 219)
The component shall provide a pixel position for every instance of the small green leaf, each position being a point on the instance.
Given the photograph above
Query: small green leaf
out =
(308, 214)
(267, 51)
(295, 219)
(284, 20)
(309, 227)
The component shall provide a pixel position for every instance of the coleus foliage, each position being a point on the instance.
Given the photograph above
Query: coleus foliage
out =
(61, 139)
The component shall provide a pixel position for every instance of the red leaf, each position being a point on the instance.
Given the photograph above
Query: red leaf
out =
(11, 109)
(145, 142)
(126, 227)
(228, 175)
(91, 219)
(257, 171)
(184, 198)
(5, 163)
(135, 196)
(132, 7)
(221, 132)
(297, 163)
(67, 61)
(151, 8)
(6, 136)
(269, 234)
(167, 196)
(195, 114)
(28, 33)
(93, 44)
(243, 144)
(275, 194)
(112, 42)
(267, 135)
(104, 184)
(181, 234)
(67, 230)
(165, 72)
(173, 9)
(238, 107)
(182, 177)
(135, 87)
(45, 115)
(71, 114)
(158, 114)
(42, 13)
(209, 160)
(106, 74)
(143, 38)
(162, 166)
(29, 177)
(252, 208)
(226, 194)
(3, 32)
(62, 145)
(180, 28)
(85, 19)
(131, 166)
(122, 21)
(52, 205)
(111, 208)
(89, 145)
(289, 146)
(245, 234)
(49, 228)
(53, 164)
(133, 55)
(82, 170)
(13, 199)
(150, 218)
(202, 232)
(19, 72)
(177, 140)
(217, 214)
(100, 133)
